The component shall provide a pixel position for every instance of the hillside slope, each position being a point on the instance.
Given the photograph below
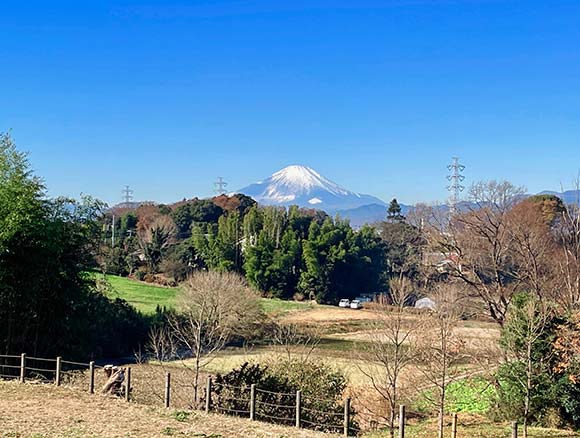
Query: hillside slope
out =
(35, 410)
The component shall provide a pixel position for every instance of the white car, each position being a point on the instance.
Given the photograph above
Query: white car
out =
(355, 304)
(344, 303)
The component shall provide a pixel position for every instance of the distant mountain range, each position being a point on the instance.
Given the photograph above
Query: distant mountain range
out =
(569, 196)
(305, 187)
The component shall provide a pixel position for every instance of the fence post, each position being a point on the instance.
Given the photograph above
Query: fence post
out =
(402, 421)
(208, 395)
(128, 384)
(91, 377)
(346, 416)
(167, 388)
(298, 407)
(252, 402)
(58, 368)
(22, 367)
(454, 426)
(514, 429)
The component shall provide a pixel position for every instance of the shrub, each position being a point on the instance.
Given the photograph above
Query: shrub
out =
(276, 385)
(232, 393)
(140, 274)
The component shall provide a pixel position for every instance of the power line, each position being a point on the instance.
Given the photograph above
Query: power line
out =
(219, 187)
(455, 187)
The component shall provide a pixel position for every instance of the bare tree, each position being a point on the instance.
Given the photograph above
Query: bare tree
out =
(441, 349)
(568, 259)
(213, 308)
(482, 243)
(390, 349)
(162, 344)
(524, 329)
(534, 244)
(296, 342)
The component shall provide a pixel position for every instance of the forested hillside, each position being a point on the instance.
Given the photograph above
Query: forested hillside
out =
(283, 252)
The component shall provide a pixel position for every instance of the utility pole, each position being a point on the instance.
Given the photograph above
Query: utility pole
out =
(219, 187)
(455, 179)
(113, 233)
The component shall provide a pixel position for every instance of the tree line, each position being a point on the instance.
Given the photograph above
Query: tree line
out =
(511, 259)
(284, 253)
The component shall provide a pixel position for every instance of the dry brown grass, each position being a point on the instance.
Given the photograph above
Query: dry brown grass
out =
(329, 314)
(42, 411)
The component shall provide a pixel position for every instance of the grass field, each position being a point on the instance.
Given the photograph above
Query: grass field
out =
(343, 330)
(146, 297)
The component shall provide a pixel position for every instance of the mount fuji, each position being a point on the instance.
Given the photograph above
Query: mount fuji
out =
(305, 187)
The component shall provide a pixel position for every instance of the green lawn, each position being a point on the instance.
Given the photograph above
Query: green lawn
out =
(145, 297)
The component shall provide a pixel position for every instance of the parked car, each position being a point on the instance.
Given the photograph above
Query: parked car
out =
(356, 304)
(344, 303)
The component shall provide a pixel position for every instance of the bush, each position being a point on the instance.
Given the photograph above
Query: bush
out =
(232, 393)
(140, 274)
(276, 385)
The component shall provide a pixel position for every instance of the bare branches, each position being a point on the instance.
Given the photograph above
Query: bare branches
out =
(213, 308)
(567, 232)
(441, 349)
(297, 342)
(503, 245)
(390, 349)
(162, 344)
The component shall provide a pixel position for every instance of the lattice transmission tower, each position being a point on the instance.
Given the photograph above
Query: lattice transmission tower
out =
(455, 186)
(127, 194)
(219, 187)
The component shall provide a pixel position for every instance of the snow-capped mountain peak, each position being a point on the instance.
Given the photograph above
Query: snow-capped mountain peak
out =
(305, 187)
(302, 179)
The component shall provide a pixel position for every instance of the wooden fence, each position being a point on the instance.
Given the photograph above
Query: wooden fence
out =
(253, 402)
(57, 371)
(293, 409)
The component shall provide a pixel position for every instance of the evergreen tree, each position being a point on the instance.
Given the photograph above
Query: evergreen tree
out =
(48, 304)
(394, 211)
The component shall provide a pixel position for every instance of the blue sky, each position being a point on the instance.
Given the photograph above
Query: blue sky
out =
(376, 95)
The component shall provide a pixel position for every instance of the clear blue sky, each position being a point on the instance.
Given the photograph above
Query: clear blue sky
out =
(376, 95)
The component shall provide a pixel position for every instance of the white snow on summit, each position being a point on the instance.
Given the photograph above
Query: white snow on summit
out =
(305, 187)
(301, 179)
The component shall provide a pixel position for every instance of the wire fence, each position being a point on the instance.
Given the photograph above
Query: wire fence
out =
(174, 387)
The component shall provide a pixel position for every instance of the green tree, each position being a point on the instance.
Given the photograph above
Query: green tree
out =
(274, 269)
(156, 240)
(220, 246)
(195, 212)
(48, 304)
(404, 245)
(526, 338)
(394, 211)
